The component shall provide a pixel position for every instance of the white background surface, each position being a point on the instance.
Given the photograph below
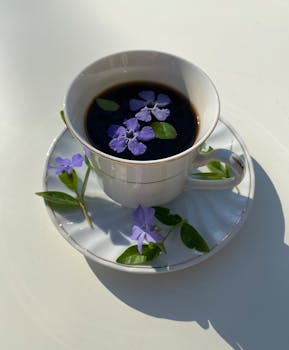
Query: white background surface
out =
(50, 296)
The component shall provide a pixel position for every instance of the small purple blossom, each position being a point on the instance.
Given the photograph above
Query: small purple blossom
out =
(66, 165)
(149, 105)
(144, 230)
(129, 135)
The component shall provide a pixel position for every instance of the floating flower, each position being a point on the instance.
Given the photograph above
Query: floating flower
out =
(144, 230)
(128, 136)
(66, 165)
(150, 106)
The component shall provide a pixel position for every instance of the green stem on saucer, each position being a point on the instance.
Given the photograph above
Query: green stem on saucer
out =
(85, 181)
(80, 196)
(171, 230)
(85, 213)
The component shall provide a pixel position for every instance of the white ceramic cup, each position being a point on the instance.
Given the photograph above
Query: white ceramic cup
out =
(152, 182)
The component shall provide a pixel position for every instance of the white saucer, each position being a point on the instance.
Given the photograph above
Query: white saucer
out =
(217, 215)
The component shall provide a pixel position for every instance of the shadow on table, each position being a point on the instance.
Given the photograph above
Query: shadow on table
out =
(242, 292)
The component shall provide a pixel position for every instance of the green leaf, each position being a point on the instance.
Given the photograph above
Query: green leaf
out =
(59, 198)
(131, 256)
(107, 105)
(227, 170)
(192, 239)
(204, 149)
(164, 131)
(209, 176)
(63, 117)
(164, 216)
(215, 166)
(69, 180)
(161, 211)
(162, 247)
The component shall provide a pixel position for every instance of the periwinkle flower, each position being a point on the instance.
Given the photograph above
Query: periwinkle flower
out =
(143, 228)
(66, 165)
(149, 105)
(129, 136)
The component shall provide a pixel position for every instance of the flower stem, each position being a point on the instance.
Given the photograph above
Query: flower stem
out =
(168, 233)
(80, 196)
(85, 213)
(85, 181)
(172, 229)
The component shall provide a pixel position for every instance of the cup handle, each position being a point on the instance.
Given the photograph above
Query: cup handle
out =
(235, 162)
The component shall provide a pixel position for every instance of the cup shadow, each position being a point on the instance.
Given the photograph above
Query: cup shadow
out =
(242, 291)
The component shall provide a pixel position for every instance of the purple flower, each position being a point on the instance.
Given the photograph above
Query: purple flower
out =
(150, 106)
(144, 230)
(66, 165)
(129, 137)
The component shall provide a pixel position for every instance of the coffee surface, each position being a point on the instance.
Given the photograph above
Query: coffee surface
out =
(102, 125)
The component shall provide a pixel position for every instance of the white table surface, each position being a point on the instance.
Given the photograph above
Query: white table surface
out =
(53, 298)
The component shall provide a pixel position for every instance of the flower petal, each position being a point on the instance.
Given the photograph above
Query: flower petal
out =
(143, 216)
(58, 168)
(121, 132)
(62, 161)
(68, 169)
(132, 124)
(118, 144)
(146, 134)
(161, 114)
(148, 215)
(59, 171)
(144, 114)
(163, 100)
(140, 242)
(54, 166)
(135, 105)
(138, 215)
(153, 236)
(148, 95)
(149, 238)
(135, 232)
(136, 148)
(113, 130)
(77, 160)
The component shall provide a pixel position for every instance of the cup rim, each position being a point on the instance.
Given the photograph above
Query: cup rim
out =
(182, 154)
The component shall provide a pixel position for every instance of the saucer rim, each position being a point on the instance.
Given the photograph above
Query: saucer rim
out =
(147, 269)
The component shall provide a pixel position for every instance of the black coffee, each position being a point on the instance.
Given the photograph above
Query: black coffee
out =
(127, 120)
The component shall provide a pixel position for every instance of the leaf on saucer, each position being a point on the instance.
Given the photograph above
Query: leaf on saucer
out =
(107, 105)
(227, 170)
(209, 176)
(192, 239)
(216, 166)
(164, 216)
(164, 131)
(205, 149)
(69, 180)
(161, 246)
(63, 117)
(131, 256)
(59, 198)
